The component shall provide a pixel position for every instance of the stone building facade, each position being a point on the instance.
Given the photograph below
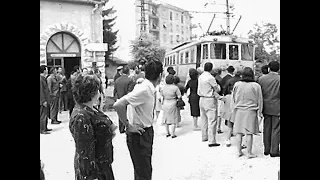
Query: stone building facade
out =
(67, 29)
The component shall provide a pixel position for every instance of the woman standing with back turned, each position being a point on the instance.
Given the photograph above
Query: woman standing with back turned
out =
(193, 97)
(247, 106)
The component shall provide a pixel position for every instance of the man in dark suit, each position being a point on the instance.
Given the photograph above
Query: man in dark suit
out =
(229, 75)
(122, 86)
(44, 100)
(270, 85)
(54, 88)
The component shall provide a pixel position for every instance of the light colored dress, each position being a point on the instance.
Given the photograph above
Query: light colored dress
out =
(170, 92)
(247, 102)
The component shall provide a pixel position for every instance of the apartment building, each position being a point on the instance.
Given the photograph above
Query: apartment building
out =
(170, 25)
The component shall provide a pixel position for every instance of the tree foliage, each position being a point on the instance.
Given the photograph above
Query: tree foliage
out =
(267, 42)
(109, 36)
(145, 48)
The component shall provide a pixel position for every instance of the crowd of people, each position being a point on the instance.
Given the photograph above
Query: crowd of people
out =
(214, 95)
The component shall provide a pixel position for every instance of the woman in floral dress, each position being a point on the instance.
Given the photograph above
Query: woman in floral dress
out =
(92, 131)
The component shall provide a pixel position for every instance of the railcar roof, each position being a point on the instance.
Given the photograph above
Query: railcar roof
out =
(216, 39)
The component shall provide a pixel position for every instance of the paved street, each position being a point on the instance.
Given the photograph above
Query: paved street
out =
(182, 158)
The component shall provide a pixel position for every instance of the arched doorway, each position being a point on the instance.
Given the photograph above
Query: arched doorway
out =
(63, 49)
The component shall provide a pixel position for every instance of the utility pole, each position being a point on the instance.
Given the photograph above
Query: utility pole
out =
(228, 18)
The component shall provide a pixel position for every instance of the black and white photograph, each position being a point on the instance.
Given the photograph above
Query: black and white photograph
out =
(159, 90)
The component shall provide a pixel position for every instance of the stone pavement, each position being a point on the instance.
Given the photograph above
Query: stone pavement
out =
(182, 158)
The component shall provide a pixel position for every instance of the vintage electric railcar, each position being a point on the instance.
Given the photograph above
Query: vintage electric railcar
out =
(219, 50)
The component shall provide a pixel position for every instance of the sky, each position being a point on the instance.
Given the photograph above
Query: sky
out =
(252, 11)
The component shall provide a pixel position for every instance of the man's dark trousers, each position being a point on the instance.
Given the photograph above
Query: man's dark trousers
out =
(54, 108)
(43, 117)
(271, 134)
(140, 148)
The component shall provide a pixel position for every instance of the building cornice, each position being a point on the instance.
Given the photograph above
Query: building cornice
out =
(93, 2)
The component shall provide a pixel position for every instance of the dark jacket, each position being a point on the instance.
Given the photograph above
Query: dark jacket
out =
(53, 85)
(270, 86)
(230, 84)
(224, 82)
(92, 133)
(122, 86)
(44, 91)
(116, 77)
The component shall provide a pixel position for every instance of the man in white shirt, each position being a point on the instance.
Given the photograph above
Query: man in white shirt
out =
(140, 131)
(207, 90)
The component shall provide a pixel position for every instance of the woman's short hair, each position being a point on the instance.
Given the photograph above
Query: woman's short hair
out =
(85, 88)
(176, 80)
(247, 74)
(170, 79)
(193, 73)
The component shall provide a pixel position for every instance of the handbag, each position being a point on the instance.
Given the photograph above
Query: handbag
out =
(180, 103)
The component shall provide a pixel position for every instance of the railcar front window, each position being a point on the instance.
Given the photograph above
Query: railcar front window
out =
(246, 52)
(217, 51)
(233, 52)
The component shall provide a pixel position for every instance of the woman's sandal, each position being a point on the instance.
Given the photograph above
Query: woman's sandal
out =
(251, 156)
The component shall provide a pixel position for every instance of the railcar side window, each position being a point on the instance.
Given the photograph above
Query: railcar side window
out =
(173, 59)
(233, 52)
(170, 60)
(205, 50)
(187, 56)
(192, 56)
(181, 58)
(246, 52)
(217, 51)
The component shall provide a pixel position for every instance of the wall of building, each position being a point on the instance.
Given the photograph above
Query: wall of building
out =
(77, 19)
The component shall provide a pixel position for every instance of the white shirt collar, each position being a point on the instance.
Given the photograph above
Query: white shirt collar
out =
(149, 84)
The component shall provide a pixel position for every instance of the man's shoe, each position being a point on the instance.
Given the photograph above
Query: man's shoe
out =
(274, 155)
(44, 132)
(48, 130)
(204, 140)
(55, 122)
(213, 145)
(219, 131)
(266, 153)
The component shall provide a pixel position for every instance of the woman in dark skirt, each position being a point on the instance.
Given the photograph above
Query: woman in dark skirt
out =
(92, 132)
(193, 97)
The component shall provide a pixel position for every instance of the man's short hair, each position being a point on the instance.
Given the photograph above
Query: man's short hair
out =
(153, 69)
(274, 66)
(208, 66)
(230, 69)
(265, 69)
(75, 68)
(126, 70)
(52, 69)
(42, 68)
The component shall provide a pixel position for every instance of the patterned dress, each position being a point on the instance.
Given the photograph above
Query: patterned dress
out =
(92, 131)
